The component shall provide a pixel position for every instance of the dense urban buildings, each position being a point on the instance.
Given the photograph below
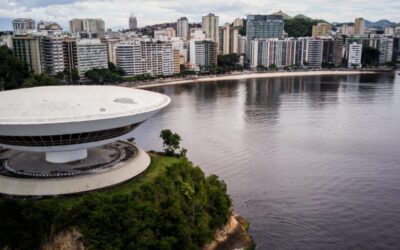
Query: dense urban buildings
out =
(165, 49)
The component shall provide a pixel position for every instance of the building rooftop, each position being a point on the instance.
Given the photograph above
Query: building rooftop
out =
(63, 104)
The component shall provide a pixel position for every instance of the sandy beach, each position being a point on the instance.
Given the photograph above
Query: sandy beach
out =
(255, 75)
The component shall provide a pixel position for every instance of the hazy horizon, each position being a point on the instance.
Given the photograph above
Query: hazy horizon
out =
(150, 12)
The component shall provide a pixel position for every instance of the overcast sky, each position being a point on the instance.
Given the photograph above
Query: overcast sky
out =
(116, 12)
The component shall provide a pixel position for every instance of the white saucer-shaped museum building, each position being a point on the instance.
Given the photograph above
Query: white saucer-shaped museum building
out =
(71, 127)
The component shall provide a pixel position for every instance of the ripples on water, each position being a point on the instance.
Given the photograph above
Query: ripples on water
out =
(311, 162)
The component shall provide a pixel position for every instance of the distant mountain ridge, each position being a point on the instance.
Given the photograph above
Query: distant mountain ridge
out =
(288, 17)
(379, 24)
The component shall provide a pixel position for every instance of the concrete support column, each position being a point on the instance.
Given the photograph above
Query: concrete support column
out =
(66, 156)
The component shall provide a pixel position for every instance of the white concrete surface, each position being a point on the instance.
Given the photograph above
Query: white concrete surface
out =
(66, 110)
(67, 104)
(61, 186)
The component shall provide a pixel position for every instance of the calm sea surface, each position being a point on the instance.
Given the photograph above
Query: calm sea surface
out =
(311, 162)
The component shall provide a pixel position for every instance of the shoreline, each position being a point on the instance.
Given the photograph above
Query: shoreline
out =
(256, 75)
(234, 235)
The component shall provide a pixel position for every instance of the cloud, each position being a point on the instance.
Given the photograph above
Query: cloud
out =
(116, 12)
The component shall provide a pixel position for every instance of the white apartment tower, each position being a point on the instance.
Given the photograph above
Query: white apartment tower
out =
(91, 54)
(53, 54)
(355, 53)
(154, 58)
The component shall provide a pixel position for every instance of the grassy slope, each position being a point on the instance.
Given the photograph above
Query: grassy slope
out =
(157, 167)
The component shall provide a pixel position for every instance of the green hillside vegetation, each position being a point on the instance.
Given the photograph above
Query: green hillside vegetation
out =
(172, 205)
(300, 27)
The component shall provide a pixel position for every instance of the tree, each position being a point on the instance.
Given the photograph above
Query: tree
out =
(228, 60)
(272, 67)
(103, 76)
(171, 142)
(327, 65)
(116, 70)
(370, 56)
(261, 68)
(298, 27)
(40, 80)
(13, 72)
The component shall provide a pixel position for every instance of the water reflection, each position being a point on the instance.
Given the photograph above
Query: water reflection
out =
(312, 162)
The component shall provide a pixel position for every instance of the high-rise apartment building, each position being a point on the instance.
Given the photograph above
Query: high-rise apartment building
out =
(385, 47)
(50, 27)
(355, 53)
(203, 54)
(154, 58)
(321, 30)
(197, 34)
(359, 26)
(278, 52)
(182, 28)
(176, 61)
(346, 30)
(53, 56)
(327, 50)
(225, 41)
(229, 39)
(164, 34)
(242, 45)
(29, 49)
(23, 26)
(314, 53)
(111, 44)
(91, 27)
(128, 57)
(75, 26)
(70, 54)
(234, 40)
(210, 24)
(337, 50)
(263, 26)
(91, 54)
(132, 22)
(238, 22)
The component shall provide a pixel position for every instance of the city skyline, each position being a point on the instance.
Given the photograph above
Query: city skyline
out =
(62, 11)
